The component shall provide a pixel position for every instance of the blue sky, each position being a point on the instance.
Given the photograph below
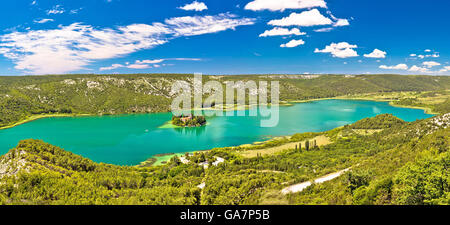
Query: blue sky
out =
(224, 37)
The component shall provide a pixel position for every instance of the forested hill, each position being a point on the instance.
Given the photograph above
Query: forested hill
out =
(22, 97)
(402, 163)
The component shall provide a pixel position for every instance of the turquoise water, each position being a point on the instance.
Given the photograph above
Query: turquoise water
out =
(131, 139)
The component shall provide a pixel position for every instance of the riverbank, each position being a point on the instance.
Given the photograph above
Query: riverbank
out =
(394, 97)
(37, 117)
(380, 97)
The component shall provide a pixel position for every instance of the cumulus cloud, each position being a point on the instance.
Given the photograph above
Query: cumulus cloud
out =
(430, 64)
(194, 6)
(293, 43)
(420, 56)
(112, 67)
(71, 48)
(278, 31)
(339, 50)
(445, 69)
(341, 23)
(376, 54)
(306, 19)
(281, 5)
(396, 67)
(418, 69)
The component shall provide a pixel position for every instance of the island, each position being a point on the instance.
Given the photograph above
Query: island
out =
(188, 121)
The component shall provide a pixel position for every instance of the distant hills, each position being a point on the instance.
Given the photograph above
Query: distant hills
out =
(25, 96)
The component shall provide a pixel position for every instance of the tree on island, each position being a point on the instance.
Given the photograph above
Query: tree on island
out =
(188, 121)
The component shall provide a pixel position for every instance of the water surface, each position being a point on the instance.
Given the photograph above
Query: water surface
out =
(131, 139)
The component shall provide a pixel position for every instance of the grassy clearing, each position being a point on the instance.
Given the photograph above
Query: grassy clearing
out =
(321, 141)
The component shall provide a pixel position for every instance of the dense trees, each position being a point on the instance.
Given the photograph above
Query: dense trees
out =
(189, 121)
(405, 164)
(22, 97)
(379, 122)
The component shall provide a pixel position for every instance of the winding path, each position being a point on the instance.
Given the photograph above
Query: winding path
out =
(301, 186)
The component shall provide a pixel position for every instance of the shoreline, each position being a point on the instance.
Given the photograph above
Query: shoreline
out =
(158, 159)
(43, 116)
(427, 110)
(286, 103)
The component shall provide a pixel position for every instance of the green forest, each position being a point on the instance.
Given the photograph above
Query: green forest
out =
(386, 160)
(404, 163)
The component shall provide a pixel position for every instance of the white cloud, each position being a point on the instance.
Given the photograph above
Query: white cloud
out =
(339, 50)
(129, 66)
(57, 9)
(43, 20)
(430, 64)
(376, 54)
(445, 69)
(434, 55)
(278, 31)
(112, 67)
(197, 25)
(397, 67)
(419, 69)
(75, 11)
(305, 19)
(427, 50)
(71, 48)
(325, 29)
(146, 64)
(293, 43)
(341, 23)
(195, 6)
(139, 66)
(281, 5)
(185, 59)
(153, 61)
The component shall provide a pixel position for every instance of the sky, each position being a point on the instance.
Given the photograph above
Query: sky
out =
(224, 37)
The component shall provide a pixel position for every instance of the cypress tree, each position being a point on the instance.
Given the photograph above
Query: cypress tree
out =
(307, 145)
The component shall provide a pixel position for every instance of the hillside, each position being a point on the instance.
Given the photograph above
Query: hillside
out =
(379, 122)
(24, 97)
(404, 163)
